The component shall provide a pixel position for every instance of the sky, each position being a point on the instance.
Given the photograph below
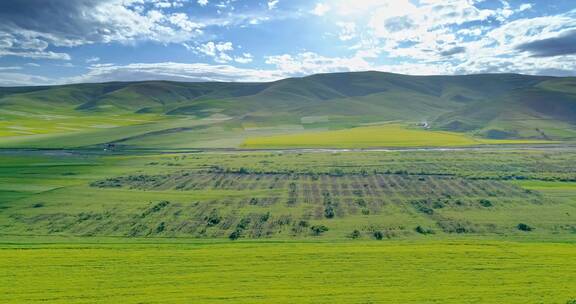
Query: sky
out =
(73, 41)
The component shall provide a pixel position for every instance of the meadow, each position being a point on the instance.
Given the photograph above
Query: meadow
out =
(386, 135)
(456, 271)
(271, 195)
(490, 225)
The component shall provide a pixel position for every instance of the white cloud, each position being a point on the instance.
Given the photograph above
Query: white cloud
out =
(19, 79)
(524, 7)
(92, 59)
(175, 72)
(347, 30)
(441, 35)
(35, 54)
(311, 63)
(320, 9)
(245, 58)
(218, 51)
(203, 2)
(272, 4)
(182, 21)
(10, 68)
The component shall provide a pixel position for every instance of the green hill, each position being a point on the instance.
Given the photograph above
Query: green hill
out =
(495, 106)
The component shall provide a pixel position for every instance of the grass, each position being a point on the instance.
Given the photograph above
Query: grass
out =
(261, 272)
(392, 192)
(63, 240)
(388, 135)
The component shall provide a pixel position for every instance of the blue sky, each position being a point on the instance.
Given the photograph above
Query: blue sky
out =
(71, 41)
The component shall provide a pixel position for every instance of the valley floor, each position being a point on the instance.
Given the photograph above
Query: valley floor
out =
(430, 226)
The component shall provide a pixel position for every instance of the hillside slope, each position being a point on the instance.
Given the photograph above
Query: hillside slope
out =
(495, 106)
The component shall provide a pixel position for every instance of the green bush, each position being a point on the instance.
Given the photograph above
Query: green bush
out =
(161, 227)
(486, 203)
(235, 235)
(524, 227)
(379, 235)
(213, 218)
(424, 230)
(318, 229)
(329, 212)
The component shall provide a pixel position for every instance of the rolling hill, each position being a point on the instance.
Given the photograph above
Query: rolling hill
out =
(493, 106)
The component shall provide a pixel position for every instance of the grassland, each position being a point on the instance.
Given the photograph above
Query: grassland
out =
(88, 226)
(387, 135)
(288, 272)
(284, 196)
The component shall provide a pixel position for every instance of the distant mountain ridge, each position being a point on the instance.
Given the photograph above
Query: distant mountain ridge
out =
(491, 105)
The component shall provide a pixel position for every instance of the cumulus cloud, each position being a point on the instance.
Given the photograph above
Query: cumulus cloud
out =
(310, 63)
(244, 58)
(403, 36)
(272, 4)
(29, 27)
(219, 51)
(454, 35)
(347, 30)
(320, 9)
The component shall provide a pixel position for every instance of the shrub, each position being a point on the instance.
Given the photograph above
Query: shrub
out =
(159, 206)
(378, 235)
(456, 226)
(265, 217)
(329, 212)
(303, 223)
(355, 234)
(235, 235)
(361, 202)
(213, 218)
(573, 301)
(154, 209)
(524, 227)
(318, 229)
(243, 170)
(161, 227)
(424, 230)
(365, 211)
(38, 205)
(486, 203)
(244, 223)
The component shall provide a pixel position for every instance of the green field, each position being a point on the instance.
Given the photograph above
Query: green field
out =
(285, 195)
(389, 135)
(262, 227)
(85, 219)
(459, 271)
